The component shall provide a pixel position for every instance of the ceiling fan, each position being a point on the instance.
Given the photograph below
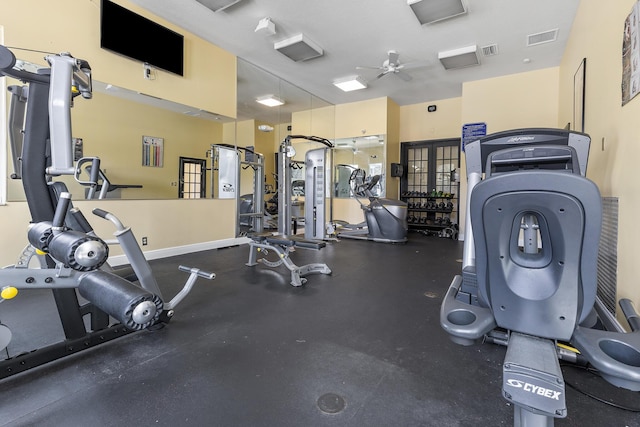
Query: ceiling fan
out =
(392, 65)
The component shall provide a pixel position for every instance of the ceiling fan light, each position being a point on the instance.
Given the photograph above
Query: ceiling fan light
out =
(430, 11)
(349, 84)
(459, 58)
(270, 101)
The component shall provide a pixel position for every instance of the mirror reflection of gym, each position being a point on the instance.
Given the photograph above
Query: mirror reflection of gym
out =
(367, 153)
(187, 132)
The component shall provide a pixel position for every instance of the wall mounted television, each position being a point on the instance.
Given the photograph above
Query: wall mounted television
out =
(127, 33)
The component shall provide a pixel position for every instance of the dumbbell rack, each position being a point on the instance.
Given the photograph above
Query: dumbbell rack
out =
(431, 213)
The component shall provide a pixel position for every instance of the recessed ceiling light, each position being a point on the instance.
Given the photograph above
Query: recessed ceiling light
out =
(270, 101)
(348, 84)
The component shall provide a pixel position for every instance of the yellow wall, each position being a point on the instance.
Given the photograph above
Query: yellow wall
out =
(209, 84)
(612, 167)
(317, 121)
(416, 124)
(361, 118)
(348, 210)
(516, 101)
(119, 146)
(73, 26)
(166, 223)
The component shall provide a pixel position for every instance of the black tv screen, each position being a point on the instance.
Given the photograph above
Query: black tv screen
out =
(127, 33)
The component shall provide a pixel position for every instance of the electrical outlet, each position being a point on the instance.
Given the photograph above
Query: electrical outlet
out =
(144, 241)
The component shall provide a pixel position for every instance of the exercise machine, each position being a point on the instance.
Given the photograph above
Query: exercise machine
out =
(316, 212)
(285, 199)
(282, 247)
(385, 219)
(529, 270)
(283, 243)
(73, 260)
(227, 166)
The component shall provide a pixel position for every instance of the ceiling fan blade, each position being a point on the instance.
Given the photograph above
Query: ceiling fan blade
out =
(411, 65)
(382, 74)
(368, 68)
(404, 76)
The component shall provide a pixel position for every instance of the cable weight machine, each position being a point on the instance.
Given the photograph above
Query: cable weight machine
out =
(73, 259)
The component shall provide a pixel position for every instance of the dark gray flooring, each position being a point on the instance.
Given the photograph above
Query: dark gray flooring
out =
(248, 349)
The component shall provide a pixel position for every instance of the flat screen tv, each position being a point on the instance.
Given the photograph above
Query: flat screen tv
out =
(127, 33)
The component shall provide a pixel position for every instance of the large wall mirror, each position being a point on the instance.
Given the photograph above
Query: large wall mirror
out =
(143, 141)
(367, 153)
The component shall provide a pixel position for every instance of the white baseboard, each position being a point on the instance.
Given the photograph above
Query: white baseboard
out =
(118, 260)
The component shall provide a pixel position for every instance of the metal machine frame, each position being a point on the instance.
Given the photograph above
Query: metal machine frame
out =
(73, 258)
(253, 160)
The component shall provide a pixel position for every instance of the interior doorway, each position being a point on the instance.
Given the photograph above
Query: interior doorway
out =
(430, 186)
(192, 178)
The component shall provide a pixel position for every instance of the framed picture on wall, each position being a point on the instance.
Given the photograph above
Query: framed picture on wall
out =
(579, 84)
(152, 151)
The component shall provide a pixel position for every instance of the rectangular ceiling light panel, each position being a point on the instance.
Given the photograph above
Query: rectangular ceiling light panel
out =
(270, 101)
(459, 58)
(298, 48)
(217, 5)
(430, 11)
(349, 84)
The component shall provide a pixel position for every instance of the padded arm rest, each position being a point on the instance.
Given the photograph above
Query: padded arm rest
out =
(294, 241)
(286, 241)
(307, 244)
(279, 240)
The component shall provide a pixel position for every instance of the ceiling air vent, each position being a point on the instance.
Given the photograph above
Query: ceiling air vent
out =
(490, 50)
(298, 48)
(430, 11)
(540, 38)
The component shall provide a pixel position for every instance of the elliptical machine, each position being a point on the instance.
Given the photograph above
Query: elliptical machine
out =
(72, 258)
(385, 219)
(529, 276)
